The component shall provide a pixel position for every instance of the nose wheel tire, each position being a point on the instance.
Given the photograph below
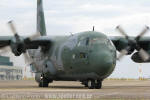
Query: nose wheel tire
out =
(94, 84)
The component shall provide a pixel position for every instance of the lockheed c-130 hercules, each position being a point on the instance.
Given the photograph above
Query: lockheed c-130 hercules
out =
(88, 57)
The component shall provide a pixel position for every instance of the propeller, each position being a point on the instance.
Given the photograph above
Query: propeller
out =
(5, 49)
(122, 53)
(34, 36)
(13, 29)
(133, 44)
(121, 30)
(143, 32)
(19, 42)
(27, 58)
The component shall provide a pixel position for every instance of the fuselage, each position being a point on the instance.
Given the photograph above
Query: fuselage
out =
(86, 55)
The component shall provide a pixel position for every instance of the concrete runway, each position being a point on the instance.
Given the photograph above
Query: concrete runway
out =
(112, 89)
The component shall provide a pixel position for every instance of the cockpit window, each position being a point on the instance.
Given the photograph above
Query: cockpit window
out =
(90, 41)
(84, 42)
(99, 40)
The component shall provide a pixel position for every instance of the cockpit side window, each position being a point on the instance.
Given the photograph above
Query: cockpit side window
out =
(87, 40)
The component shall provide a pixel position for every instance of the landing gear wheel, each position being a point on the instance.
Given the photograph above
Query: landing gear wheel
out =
(43, 84)
(98, 84)
(43, 81)
(91, 84)
(86, 84)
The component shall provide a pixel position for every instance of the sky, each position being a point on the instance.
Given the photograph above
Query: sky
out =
(64, 17)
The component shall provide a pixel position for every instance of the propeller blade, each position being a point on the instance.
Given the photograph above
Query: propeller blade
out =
(5, 49)
(144, 31)
(122, 53)
(27, 58)
(143, 54)
(120, 29)
(35, 36)
(12, 27)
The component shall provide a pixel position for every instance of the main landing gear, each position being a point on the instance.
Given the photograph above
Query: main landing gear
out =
(93, 84)
(43, 81)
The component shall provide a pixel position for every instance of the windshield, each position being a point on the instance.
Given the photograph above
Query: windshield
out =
(84, 42)
(99, 41)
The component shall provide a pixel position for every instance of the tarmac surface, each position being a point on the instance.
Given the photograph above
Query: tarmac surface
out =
(112, 89)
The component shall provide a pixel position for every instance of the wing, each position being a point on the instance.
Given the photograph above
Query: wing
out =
(24, 43)
(42, 41)
(120, 42)
(142, 45)
(5, 41)
(144, 42)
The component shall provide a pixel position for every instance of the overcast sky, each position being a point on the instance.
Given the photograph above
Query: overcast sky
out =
(65, 16)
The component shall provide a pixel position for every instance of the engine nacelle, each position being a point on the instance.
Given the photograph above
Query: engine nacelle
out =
(137, 58)
(17, 47)
(123, 44)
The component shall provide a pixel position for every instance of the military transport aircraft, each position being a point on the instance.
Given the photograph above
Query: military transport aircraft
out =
(88, 57)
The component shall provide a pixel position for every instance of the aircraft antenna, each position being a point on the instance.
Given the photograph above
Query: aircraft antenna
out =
(93, 28)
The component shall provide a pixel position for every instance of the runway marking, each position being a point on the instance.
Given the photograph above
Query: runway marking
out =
(111, 89)
(109, 94)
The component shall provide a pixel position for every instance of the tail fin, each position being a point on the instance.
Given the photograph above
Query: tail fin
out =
(41, 27)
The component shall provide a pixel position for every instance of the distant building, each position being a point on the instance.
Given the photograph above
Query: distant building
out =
(8, 71)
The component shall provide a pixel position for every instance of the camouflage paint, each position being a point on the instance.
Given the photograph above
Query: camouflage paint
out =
(63, 61)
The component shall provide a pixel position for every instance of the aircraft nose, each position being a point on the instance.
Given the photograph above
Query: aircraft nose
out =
(107, 60)
(103, 62)
(102, 58)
